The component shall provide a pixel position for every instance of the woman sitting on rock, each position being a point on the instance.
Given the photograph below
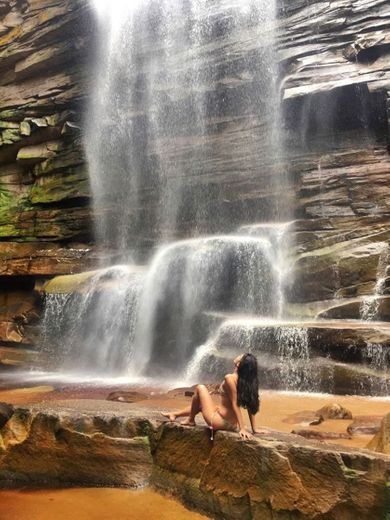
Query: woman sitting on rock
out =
(240, 389)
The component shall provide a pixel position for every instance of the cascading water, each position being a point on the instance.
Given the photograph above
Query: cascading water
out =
(182, 131)
(181, 100)
(92, 330)
(377, 355)
(190, 278)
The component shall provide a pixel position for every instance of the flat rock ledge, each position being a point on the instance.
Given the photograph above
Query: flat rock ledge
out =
(273, 477)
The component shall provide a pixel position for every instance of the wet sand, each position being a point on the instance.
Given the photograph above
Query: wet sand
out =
(91, 504)
(278, 410)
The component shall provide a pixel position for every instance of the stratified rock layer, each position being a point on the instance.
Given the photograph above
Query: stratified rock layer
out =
(275, 476)
(335, 69)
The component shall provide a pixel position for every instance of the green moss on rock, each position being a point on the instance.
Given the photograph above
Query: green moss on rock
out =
(67, 284)
(56, 187)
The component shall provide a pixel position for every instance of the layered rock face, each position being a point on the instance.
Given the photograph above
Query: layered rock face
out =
(336, 63)
(273, 476)
(334, 70)
(45, 221)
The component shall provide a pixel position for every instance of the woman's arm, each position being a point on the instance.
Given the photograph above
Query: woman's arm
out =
(252, 419)
(232, 392)
(255, 430)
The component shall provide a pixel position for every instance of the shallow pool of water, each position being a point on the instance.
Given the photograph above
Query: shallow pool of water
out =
(91, 504)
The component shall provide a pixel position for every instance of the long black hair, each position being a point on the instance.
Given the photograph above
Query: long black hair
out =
(248, 384)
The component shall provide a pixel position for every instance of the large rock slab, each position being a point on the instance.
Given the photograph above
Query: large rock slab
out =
(326, 45)
(43, 52)
(273, 476)
(76, 443)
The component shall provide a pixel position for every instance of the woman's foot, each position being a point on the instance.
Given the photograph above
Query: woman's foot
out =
(169, 415)
(187, 422)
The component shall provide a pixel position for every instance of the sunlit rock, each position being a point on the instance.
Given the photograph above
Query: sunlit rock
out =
(381, 441)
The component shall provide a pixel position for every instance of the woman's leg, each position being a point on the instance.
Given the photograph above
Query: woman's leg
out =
(208, 407)
(201, 402)
(189, 411)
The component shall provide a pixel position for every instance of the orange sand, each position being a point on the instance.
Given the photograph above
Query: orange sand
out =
(91, 504)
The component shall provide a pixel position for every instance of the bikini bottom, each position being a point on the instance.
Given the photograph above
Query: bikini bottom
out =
(226, 425)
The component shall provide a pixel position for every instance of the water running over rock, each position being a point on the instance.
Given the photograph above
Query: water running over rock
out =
(190, 278)
(92, 330)
(184, 96)
(377, 356)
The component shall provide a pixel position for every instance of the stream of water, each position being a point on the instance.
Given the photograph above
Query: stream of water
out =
(191, 200)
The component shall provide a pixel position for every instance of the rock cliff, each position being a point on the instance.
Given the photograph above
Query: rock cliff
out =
(45, 220)
(335, 73)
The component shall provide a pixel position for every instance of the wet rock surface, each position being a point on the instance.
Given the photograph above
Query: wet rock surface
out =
(367, 425)
(334, 62)
(381, 441)
(100, 443)
(334, 411)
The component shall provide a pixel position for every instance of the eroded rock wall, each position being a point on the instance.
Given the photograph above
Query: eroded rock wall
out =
(45, 219)
(335, 68)
(336, 65)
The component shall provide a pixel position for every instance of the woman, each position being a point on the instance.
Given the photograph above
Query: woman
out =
(238, 389)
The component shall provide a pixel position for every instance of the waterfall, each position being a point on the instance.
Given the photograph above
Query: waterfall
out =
(92, 330)
(190, 278)
(370, 304)
(181, 102)
(376, 355)
(183, 144)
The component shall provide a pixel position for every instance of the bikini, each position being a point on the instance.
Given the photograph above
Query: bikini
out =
(227, 426)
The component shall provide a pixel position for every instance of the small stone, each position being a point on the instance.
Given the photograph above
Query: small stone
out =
(70, 128)
(321, 436)
(25, 128)
(126, 397)
(39, 121)
(10, 136)
(334, 411)
(316, 422)
(13, 19)
(365, 425)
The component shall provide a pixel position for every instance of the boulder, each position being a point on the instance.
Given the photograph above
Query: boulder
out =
(381, 441)
(273, 476)
(365, 425)
(81, 445)
(334, 411)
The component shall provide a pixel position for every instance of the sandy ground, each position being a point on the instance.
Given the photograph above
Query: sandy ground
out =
(279, 410)
(91, 504)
